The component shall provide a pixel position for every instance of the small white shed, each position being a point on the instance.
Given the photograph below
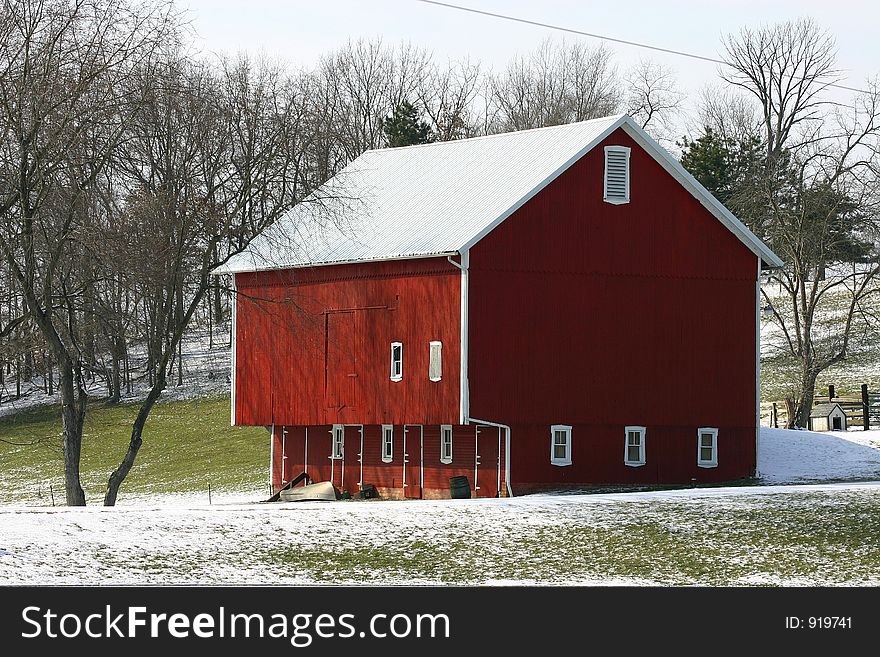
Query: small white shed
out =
(828, 417)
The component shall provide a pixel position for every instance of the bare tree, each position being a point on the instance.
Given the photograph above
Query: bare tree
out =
(213, 159)
(556, 84)
(786, 67)
(449, 97)
(819, 192)
(364, 82)
(653, 97)
(61, 68)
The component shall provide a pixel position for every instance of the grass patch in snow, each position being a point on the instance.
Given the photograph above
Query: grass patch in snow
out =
(187, 445)
(816, 538)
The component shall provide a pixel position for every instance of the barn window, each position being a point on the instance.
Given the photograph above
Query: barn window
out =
(446, 443)
(560, 444)
(387, 443)
(396, 361)
(634, 449)
(707, 447)
(338, 450)
(435, 362)
(616, 174)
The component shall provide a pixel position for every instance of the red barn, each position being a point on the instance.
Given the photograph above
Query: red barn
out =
(549, 308)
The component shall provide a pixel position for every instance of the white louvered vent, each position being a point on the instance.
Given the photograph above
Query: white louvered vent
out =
(616, 174)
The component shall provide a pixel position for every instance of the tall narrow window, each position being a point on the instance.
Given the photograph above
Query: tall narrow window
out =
(338, 449)
(616, 174)
(446, 443)
(396, 361)
(707, 447)
(387, 443)
(560, 444)
(634, 449)
(435, 361)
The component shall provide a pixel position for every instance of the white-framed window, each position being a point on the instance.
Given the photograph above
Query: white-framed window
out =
(446, 443)
(396, 361)
(435, 360)
(560, 444)
(634, 448)
(707, 447)
(616, 187)
(387, 443)
(338, 448)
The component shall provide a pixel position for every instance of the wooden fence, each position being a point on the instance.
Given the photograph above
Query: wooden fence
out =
(861, 410)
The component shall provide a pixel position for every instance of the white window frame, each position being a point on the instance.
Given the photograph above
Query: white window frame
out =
(566, 460)
(439, 346)
(397, 372)
(643, 432)
(337, 447)
(615, 200)
(713, 462)
(387, 441)
(445, 430)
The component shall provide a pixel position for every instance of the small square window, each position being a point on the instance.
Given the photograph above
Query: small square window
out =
(560, 444)
(634, 448)
(387, 443)
(446, 443)
(707, 447)
(338, 449)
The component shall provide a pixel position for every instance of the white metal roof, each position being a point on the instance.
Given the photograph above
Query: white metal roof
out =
(442, 198)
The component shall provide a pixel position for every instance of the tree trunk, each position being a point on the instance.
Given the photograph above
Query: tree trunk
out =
(116, 374)
(805, 401)
(73, 413)
(134, 445)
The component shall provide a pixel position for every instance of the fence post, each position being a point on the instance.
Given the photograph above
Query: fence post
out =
(774, 417)
(831, 394)
(866, 407)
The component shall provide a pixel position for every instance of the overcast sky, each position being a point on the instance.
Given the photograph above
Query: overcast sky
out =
(299, 31)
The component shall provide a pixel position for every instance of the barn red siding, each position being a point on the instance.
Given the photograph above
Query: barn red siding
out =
(313, 345)
(601, 316)
(414, 471)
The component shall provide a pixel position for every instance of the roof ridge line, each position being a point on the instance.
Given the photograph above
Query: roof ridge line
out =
(610, 117)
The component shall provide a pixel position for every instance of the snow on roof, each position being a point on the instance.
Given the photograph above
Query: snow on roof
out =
(441, 198)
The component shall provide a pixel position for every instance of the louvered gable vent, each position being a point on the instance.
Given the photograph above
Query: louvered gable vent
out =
(616, 174)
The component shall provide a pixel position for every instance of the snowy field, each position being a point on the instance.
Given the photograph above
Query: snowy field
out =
(799, 535)
(808, 534)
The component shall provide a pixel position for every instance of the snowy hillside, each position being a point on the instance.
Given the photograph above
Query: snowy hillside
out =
(807, 456)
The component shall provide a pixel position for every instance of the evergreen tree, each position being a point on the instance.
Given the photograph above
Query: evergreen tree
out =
(405, 128)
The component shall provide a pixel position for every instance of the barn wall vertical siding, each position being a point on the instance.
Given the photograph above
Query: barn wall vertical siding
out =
(601, 316)
(313, 345)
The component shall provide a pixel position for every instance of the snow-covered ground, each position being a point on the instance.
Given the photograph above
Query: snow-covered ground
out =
(738, 536)
(813, 534)
(803, 456)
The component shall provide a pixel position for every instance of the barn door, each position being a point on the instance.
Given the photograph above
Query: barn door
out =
(487, 462)
(340, 359)
(413, 458)
(352, 459)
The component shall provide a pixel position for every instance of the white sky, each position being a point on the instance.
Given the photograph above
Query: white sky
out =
(299, 31)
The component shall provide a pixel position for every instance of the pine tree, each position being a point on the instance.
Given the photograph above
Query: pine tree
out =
(405, 128)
